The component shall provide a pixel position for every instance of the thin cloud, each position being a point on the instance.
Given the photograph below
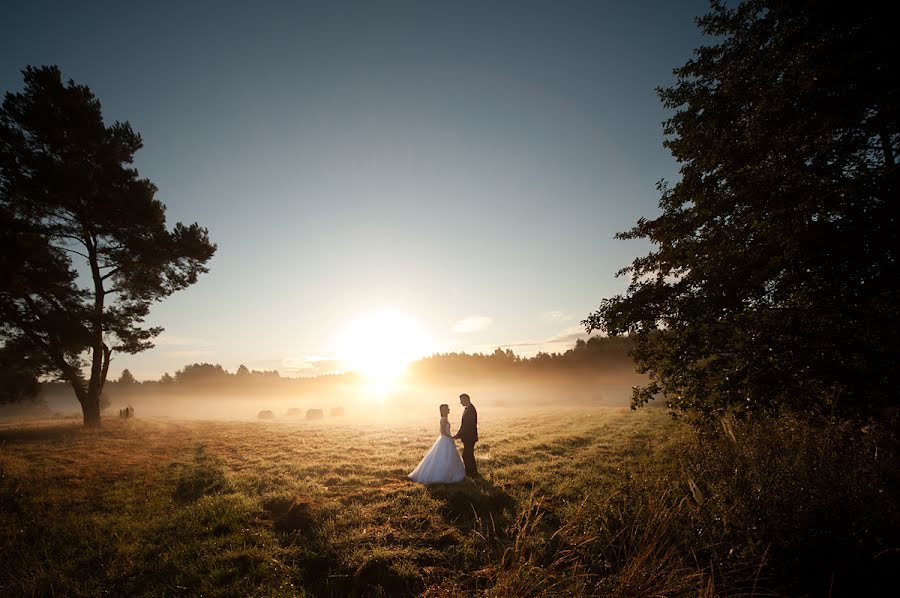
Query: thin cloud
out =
(311, 365)
(181, 341)
(190, 353)
(472, 324)
(185, 347)
(565, 337)
(556, 315)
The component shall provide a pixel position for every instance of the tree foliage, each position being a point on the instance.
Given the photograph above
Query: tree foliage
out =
(18, 375)
(85, 246)
(126, 378)
(773, 281)
(595, 354)
(201, 373)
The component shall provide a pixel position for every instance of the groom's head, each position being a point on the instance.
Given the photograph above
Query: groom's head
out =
(464, 400)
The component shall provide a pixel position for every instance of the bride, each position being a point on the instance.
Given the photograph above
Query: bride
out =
(441, 464)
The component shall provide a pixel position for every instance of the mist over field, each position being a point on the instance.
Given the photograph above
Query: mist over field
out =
(596, 373)
(361, 400)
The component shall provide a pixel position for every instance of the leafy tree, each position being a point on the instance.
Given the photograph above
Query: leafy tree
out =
(201, 373)
(242, 372)
(774, 278)
(18, 377)
(85, 244)
(126, 377)
(166, 379)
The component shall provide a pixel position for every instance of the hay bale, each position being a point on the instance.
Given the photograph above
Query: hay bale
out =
(294, 412)
(314, 414)
(266, 414)
(337, 411)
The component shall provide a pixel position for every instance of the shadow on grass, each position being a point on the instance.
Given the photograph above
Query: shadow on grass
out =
(295, 522)
(297, 527)
(202, 477)
(46, 431)
(473, 500)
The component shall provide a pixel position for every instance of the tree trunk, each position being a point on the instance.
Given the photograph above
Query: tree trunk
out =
(100, 352)
(90, 408)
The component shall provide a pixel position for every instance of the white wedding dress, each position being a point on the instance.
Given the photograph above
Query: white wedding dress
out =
(442, 463)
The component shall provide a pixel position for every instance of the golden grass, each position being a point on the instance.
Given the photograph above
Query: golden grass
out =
(571, 502)
(323, 507)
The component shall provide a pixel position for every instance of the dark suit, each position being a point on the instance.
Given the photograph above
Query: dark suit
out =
(468, 433)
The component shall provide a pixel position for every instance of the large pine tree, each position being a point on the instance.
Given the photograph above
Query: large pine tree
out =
(84, 248)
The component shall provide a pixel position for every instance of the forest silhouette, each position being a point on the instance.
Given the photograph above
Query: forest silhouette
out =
(564, 375)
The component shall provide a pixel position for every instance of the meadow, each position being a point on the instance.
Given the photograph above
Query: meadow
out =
(572, 501)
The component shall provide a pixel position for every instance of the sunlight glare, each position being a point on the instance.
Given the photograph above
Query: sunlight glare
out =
(380, 344)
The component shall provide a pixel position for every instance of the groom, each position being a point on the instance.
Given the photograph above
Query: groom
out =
(468, 433)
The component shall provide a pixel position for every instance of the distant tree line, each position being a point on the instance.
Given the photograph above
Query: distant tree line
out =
(200, 374)
(595, 355)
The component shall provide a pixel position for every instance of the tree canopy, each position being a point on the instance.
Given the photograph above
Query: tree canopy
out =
(127, 377)
(773, 282)
(85, 248)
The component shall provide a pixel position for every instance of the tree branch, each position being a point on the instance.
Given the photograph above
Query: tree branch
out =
(106, 359)
(73, 238)
(64, 218)
(75, 252)
(109, 274)
(54, 353)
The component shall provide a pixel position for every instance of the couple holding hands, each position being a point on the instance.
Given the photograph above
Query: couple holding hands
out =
(442, 464)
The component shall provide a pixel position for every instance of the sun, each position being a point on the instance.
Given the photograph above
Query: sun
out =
(380, 344)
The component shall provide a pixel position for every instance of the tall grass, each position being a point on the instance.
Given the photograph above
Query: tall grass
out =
(813, 501)
(599, 503)
(529, 557)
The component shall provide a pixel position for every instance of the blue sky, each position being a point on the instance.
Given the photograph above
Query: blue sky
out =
(463, 165)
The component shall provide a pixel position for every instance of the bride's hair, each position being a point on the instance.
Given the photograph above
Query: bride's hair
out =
(444, 406)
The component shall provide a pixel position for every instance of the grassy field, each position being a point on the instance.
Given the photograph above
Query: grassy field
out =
(571, 502)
